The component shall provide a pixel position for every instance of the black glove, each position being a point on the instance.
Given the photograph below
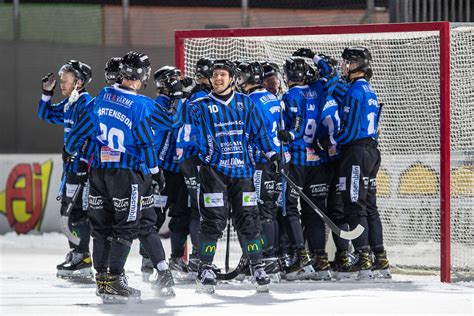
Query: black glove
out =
(275, 163)
(82, 172)
(304, 52)
(321, 144)
(67, 157)
(187, 82)
(158, 181)
(48, 84)
(284, 136)
(331, 61)
(175, 87)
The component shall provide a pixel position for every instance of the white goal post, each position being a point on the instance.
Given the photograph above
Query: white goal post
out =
(424, 74)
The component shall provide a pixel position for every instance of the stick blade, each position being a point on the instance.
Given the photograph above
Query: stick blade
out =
(64, 223)
(352, 234)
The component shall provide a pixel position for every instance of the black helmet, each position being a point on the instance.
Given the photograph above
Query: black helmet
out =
(136, 66)
(295, 69)
(165, 73)
(203, 68)
(224, 64)
(249, 72)
(80, 70)
(269, 69)
(359, 55)
(112, 70)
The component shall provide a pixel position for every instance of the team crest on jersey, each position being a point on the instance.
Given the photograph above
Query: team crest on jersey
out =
(240, 106)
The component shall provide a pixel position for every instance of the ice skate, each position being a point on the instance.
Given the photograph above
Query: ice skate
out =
(193, 266)
(359, 269)
(342, 266)
(78, 265)
(163, 285)
(301, 269)
(260, 278)
(244, 268)
(117, 291)
(322, 268)
(206, 279)
(381, 266)
(180, 269)
(272, 268)
(147, 269)
(101, 281)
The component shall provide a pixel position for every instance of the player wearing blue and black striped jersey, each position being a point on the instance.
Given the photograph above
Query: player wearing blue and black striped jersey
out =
(250, 79)
(360, 160)
(121, 201)
(187, 149)
(230, 126)
(74, 76)
(300, 121)
(174, 197)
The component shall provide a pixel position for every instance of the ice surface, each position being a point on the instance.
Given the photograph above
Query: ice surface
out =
(28, 286)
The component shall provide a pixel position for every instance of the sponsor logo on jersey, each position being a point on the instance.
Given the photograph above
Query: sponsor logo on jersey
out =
(342, 184)
(85, 196)
(147, 202)
(355, 177)
(231, 123)
(132, 214)
(318, 189)
(269, 186)
(160, 200)
(229, 133)
(232, 162)
(209, 248)
(253, 246)
(118, 99)
(274, 109)
(121, 205)
(96, 202)
(257, 181)
(373, 102)
(213, 199)
(71, 189)
(268, 98)
(249, 198)
(329, 104)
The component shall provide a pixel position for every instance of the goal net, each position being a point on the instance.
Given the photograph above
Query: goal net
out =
(423, 73)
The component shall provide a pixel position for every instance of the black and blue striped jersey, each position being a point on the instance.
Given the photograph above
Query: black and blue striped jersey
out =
(301, 113)
(187, 144)
(328, 121)
(229, 129)
(359, 116)
(269, 107)
(64, 113)
(119, 122)
(165, 140)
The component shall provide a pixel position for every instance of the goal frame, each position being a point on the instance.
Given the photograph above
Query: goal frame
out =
(443, 28)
